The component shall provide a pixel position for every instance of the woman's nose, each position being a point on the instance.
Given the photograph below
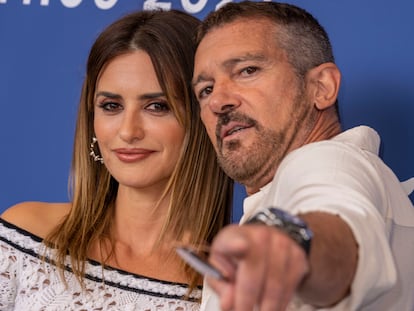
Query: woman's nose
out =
(131, 127)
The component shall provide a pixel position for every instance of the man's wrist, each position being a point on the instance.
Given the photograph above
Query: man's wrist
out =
(291, 225)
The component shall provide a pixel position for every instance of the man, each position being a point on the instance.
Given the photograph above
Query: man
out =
(328, 224)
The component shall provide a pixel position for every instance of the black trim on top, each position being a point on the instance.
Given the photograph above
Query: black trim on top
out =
(94, 263)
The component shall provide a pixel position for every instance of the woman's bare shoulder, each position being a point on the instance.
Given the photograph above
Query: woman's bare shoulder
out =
(38, 218)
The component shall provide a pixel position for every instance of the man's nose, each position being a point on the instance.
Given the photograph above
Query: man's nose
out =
(223, 98)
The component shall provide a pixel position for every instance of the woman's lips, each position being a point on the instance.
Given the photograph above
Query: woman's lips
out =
(132, 155)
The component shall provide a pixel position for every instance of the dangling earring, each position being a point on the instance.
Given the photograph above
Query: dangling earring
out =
(95, 157)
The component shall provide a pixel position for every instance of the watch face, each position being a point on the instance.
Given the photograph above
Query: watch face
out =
(292, 225)
(286, 217)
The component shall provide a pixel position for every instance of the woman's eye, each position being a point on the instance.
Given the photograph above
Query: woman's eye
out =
(158, 107)
(110, 106)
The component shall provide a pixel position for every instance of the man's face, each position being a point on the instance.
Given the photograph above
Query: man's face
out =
(252, 103)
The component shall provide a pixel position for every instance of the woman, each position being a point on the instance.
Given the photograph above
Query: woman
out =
(144, 178)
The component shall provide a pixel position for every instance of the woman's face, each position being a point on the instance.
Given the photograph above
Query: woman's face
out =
(138, 135)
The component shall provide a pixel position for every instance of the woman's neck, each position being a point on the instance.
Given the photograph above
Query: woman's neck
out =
(139, 217)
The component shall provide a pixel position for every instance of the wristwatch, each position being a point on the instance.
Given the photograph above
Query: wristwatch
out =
(292, 225)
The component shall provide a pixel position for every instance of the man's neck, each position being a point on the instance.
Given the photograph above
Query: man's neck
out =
(327, 125)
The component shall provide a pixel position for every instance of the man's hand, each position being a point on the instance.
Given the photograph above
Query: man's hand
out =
(263, 268)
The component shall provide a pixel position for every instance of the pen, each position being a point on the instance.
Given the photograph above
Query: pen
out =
(197, 263)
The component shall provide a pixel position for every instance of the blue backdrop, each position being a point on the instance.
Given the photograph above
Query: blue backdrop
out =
(43, 50)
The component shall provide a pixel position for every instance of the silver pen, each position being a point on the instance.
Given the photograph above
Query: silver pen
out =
(198, 263)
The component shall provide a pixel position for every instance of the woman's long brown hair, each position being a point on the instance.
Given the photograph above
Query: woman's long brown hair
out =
(201, 194)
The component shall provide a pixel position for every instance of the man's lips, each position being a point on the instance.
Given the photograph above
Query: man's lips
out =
(232, 127)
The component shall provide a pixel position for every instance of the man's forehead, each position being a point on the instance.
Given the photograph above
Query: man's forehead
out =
(244, 25)
(236, 40)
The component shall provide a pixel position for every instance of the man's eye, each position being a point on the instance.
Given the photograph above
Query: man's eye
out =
(205, 92)
(249, 70)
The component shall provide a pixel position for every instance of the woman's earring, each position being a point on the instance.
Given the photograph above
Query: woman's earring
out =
(95, 157)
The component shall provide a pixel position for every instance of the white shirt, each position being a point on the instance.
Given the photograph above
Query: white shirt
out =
(345, 176)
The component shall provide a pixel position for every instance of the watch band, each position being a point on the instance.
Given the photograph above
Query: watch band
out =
(292, 225)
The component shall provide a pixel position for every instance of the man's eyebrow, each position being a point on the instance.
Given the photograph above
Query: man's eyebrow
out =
(200, 78)
(244, 58)
(231, 63)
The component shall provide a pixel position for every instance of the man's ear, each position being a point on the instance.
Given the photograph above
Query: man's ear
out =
(324, 80)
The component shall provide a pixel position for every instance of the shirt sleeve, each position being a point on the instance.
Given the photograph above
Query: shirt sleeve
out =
(341, 179)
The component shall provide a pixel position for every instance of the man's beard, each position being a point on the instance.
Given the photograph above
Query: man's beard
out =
(247, 165)
(258, 162)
